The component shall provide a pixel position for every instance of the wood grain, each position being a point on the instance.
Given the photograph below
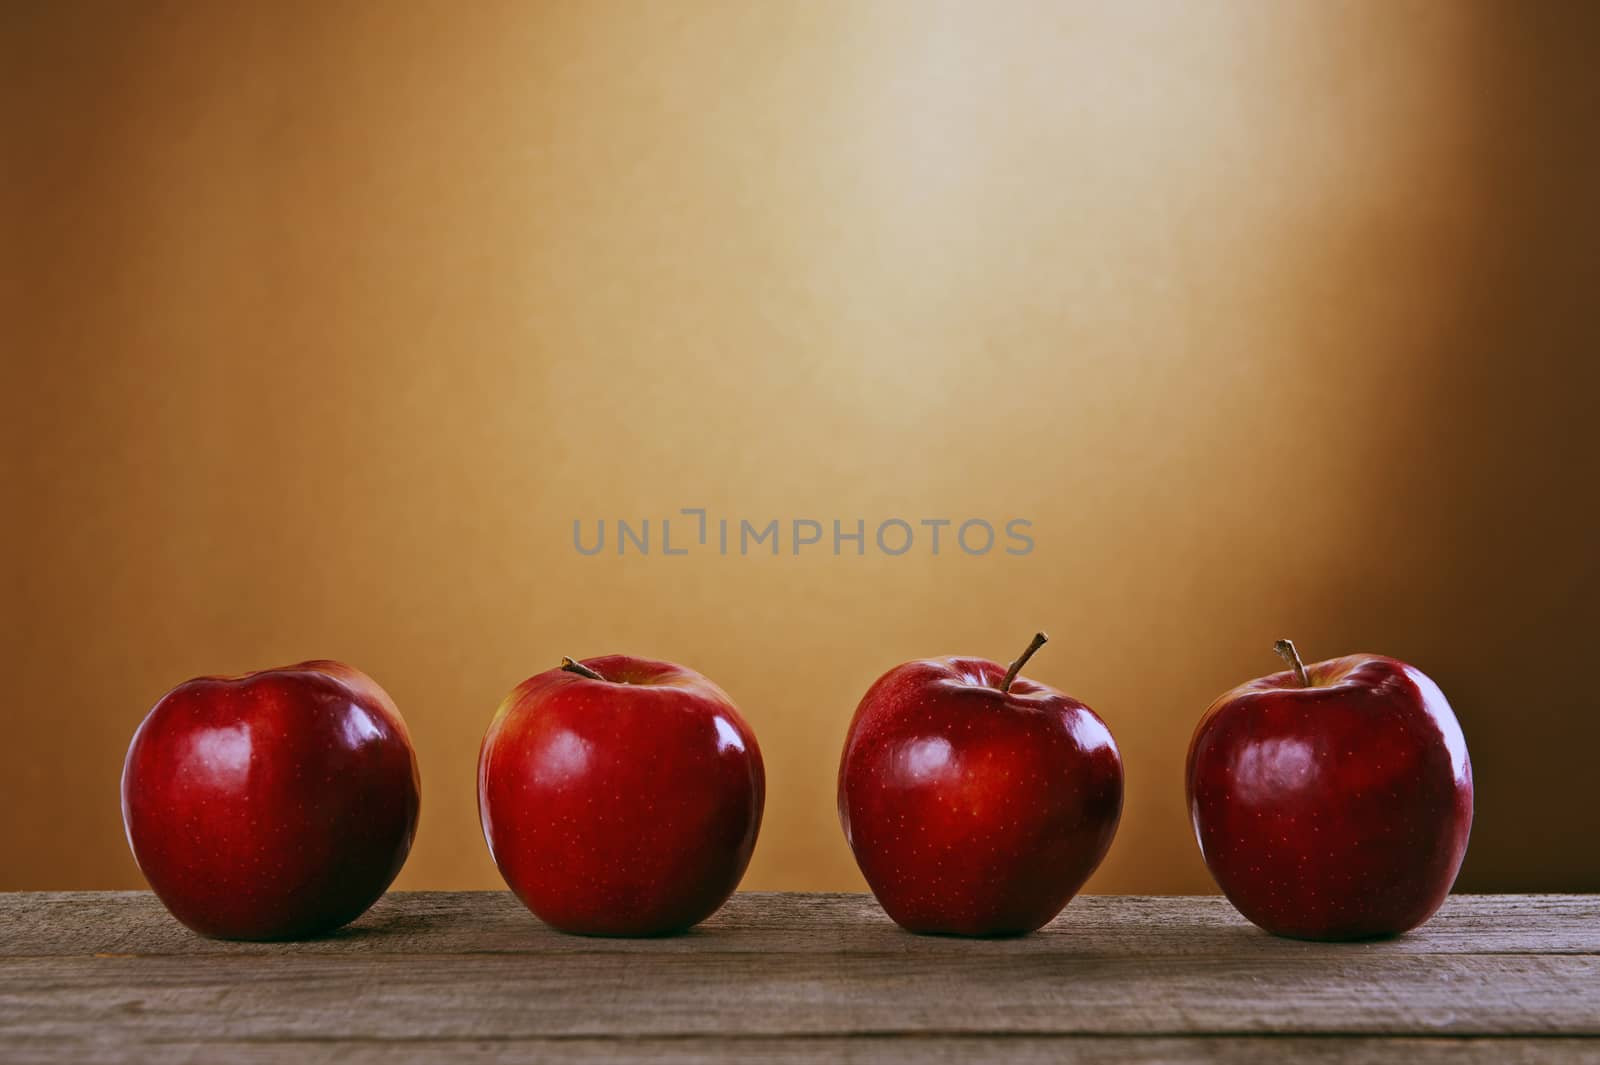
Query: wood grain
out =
(109, 976)
(494, 922)
(910, 1050)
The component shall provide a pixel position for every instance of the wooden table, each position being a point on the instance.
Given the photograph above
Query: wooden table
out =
(473, 977)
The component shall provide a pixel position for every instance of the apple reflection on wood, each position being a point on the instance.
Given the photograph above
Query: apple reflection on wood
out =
(623, 796)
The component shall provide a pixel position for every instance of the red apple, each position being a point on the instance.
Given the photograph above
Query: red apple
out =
(620, 796)
(1332, 801)
(977, 802)
(273, 805)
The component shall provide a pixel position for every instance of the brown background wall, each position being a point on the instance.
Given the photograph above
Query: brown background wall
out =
(323, 322)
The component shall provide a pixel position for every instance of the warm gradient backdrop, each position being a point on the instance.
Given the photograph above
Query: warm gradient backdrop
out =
(322, 322)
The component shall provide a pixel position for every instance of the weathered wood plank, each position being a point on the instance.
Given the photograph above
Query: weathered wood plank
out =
(45, 924)
(1270, 1050)
(473, 977)
(827, 992)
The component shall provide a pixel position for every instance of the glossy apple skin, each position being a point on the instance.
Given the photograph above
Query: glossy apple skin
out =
(621, 807)
(973, 811)
(274, 805)
(1336, 811)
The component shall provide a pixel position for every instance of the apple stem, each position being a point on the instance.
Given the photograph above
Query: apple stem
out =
(1286, 651)
(1039, 640)
(572, 665)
